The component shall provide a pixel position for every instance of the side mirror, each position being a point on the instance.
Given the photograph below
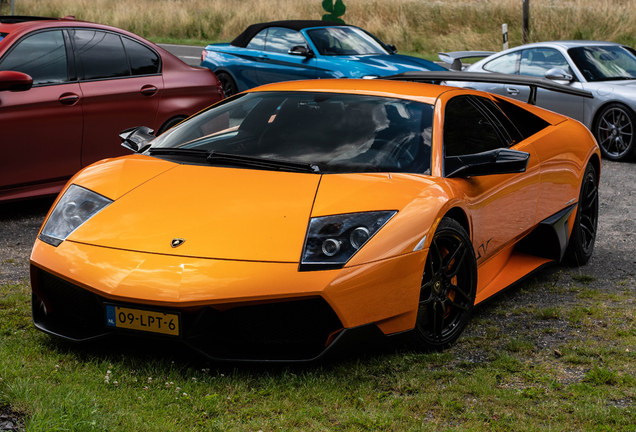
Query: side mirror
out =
(558, 74)
(392, 48)
(137, 139)
(15, 81)
(300, 50)
(498, 161)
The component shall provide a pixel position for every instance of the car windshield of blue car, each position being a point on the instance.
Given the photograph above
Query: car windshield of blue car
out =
(345, 41)
(336, 132)
(604, 63)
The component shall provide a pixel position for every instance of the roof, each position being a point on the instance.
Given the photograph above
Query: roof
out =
(415, 91)
(244, 38)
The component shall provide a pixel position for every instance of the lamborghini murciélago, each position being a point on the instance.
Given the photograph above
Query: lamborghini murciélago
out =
(297, 218)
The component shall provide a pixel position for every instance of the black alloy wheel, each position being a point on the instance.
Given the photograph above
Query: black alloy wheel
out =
(581, 244)
(228, 84)
(448, 289)
(615, 132)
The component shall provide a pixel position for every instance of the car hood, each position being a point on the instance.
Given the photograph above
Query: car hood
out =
(605, 88)
(234, 214)
(383, 65)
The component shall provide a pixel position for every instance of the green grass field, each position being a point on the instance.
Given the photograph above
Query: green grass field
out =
(497, 377)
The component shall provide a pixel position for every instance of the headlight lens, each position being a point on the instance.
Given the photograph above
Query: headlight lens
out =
(76, 207)
(331, 241)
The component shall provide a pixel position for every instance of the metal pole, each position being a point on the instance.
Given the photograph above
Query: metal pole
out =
(12, 7)
(504, 32)
(525, 34)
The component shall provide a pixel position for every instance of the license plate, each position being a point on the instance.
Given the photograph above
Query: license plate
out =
(142, 320)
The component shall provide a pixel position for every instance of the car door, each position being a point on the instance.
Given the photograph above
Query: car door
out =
(42, 127)
(122, 84)
(277, 65)
(502, 206)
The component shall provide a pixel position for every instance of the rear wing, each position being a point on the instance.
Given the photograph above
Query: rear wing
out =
(497, 78)
(455, 58)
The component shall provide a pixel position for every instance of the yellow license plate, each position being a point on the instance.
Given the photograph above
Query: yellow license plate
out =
(143, 320)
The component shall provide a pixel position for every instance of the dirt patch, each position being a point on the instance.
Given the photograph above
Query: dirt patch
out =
(10, 420)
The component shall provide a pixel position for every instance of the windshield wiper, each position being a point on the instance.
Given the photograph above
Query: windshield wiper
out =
(257, 162)
(178, 151)
(618, 78)
(238, 160)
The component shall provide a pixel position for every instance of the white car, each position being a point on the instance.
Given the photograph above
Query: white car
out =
(606, 69)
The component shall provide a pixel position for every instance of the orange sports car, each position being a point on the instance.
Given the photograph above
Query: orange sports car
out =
(298, 218)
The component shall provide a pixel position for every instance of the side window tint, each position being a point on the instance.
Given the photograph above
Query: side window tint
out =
(101, 54)
(510, 131)
(258, 41)
(467, 130)
(536, 62)
(527, 123)
(42, 56)
(281, 40)
(143, 60)
(504, 64)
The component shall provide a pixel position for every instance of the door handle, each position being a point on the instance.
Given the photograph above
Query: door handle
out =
(512, 91)
(148, 90)
(263, 57)
(68, 99)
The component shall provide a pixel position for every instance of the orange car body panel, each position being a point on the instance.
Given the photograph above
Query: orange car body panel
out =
(124, 253)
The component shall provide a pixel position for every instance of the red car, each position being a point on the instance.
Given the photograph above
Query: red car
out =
(68, 87)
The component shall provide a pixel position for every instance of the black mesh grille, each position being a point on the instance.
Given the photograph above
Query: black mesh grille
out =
(283, 330)
(72, 310)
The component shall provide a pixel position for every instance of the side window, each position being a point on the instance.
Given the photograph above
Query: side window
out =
(511, 134)
(42, 56)
(143, 60)
(281, 40)
(504, 64)
(101, 54)
(467, 130)
(527, 123)
(258, 41)
(536, 62)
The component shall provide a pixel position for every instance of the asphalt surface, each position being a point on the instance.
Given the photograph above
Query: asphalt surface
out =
(614, 256)
(188, 54)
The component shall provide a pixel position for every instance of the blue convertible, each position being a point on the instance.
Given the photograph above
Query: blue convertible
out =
(292, 50)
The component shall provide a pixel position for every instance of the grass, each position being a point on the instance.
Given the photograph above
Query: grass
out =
(499, 375)
(424, 27)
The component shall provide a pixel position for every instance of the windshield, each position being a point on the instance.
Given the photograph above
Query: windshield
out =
(345, 41)
(336, 132)
(604, 63)
(2, 36)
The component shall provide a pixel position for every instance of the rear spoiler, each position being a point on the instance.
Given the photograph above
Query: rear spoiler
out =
(496, 78)
(455, 58)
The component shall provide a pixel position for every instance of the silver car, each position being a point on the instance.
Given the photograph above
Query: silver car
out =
(606, 69)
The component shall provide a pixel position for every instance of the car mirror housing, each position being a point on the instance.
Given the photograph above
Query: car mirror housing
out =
(15, 81)
(558, 74)
(392, 48)
(498, 161)
(137, 139)
(300, 50)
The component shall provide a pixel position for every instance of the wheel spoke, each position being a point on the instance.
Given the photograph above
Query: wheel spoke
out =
(439, 257)
(458, 261)
(457, 305)
(438, 320)
(459, 291)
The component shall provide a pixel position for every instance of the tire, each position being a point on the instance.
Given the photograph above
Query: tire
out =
(581, 244)
(449, 285)
(227, 82)
(170, 123)
(615, 132)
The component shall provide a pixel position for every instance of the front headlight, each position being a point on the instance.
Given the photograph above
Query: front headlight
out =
(331, 241)
(76, 207)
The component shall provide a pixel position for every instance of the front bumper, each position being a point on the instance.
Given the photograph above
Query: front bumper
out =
(230, 310)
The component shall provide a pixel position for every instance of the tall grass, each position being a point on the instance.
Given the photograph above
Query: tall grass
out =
(424, 26)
